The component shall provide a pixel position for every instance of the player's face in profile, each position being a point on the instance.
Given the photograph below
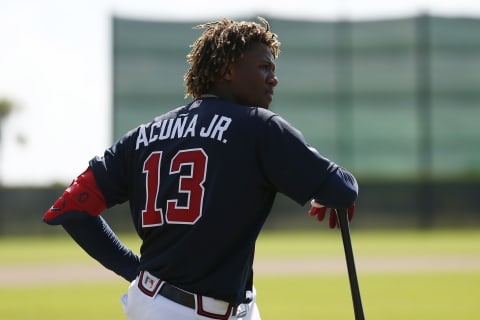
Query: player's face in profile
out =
(253, 77)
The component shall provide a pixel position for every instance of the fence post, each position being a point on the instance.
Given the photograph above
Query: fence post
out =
(424, 113)
(343, 91)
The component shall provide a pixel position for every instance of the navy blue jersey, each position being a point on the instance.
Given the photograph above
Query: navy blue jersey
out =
(200, 181)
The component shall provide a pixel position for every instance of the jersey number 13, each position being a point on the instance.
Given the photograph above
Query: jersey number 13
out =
(190, 184)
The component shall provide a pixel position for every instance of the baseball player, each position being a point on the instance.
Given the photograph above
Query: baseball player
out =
(200, 181)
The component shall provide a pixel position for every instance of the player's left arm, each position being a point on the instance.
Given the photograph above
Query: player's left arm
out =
(78, 211)
(315, 176)
(339, 191)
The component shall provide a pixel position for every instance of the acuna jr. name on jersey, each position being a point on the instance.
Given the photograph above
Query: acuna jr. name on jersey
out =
(183, 127)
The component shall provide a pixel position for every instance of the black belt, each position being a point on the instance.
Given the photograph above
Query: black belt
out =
(177, 295)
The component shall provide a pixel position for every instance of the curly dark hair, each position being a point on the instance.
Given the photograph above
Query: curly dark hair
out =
(222, 43)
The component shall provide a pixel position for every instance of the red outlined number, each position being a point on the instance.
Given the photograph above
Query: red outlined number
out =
(190, 184)
(152, 215)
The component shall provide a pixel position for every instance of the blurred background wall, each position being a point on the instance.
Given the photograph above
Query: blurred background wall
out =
(396, 101)
(390, 99)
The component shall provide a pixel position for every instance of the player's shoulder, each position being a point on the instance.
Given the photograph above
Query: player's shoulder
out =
(268, 117)
(173, 113)
(253, 113)
(237, 111)
(261, 118)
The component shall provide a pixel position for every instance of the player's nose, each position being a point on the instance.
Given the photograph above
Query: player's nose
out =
(273, 81)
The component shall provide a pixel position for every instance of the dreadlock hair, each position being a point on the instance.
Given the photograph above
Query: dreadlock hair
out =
(221, 44)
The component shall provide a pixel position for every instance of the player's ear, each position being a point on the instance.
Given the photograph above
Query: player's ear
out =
(227, 72)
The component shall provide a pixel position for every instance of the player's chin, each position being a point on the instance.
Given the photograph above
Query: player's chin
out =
(267, 101)
(262, 101)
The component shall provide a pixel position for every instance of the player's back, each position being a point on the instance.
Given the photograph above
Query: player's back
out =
(197, 192)
(201, 181)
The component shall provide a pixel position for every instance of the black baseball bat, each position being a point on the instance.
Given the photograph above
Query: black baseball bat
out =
(352, 272)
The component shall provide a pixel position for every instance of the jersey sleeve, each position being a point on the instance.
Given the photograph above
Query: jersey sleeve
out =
(111, 171)
(95, 236)
(339, 191)
(298, 170)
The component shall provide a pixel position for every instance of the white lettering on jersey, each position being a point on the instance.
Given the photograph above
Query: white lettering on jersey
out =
(182, 127)
(191, 127)
(153, 136)
(205, 133)
(166, 129)
(220, 127)
(142, 137)
(178, 127)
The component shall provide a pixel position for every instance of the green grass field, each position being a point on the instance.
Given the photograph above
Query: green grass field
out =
(439, 293)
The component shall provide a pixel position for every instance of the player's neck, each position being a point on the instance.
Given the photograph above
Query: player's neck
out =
(208, 95)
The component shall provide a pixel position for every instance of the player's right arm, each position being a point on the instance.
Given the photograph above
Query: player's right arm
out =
(78, 211)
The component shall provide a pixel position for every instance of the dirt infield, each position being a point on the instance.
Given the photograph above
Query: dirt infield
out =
(92, 272)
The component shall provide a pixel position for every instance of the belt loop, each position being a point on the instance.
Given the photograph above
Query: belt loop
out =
(149, 284)
(202, 312)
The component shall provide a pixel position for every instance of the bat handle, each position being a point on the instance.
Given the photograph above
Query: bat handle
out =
(352, 273)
